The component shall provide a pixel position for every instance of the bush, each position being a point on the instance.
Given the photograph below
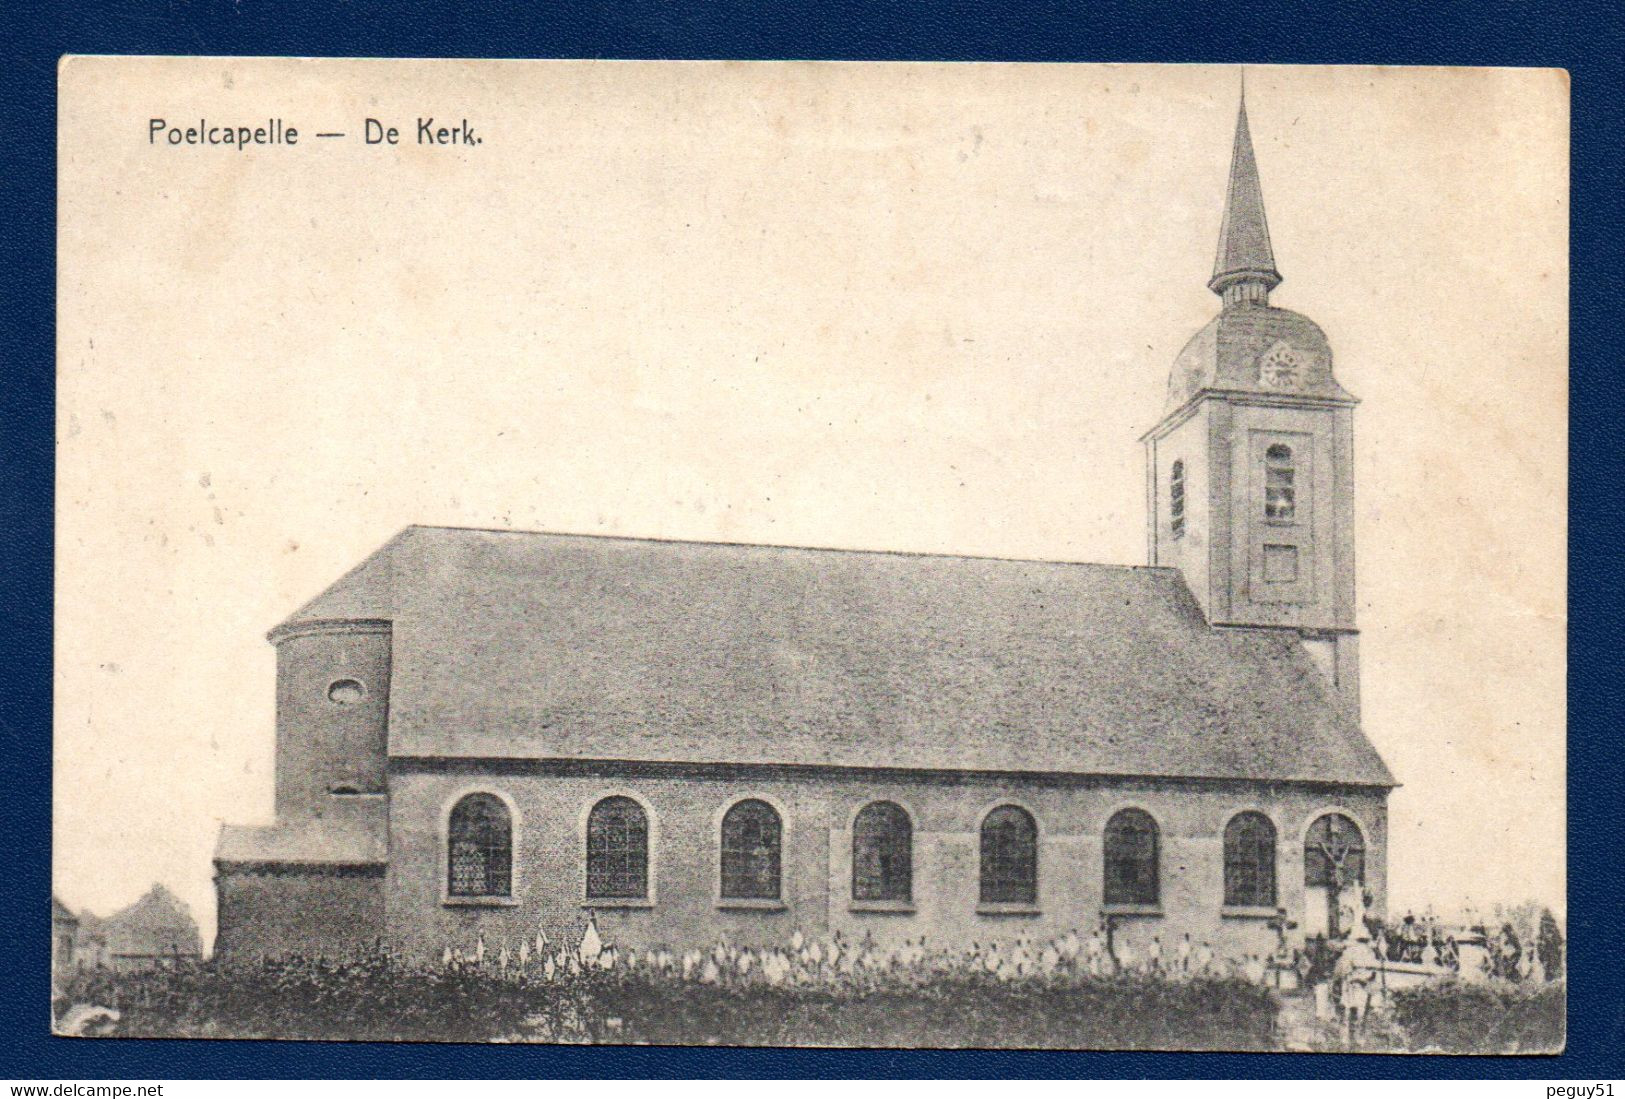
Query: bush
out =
(369, 998)
(955, 1011)
(378, 997)
(1497, 1017)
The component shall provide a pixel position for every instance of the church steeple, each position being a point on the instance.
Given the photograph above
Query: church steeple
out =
(1250, 473)
(1244, 270)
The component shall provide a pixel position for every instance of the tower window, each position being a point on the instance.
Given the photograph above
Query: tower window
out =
(1280, 493)
(345, 692)
(1176, 500)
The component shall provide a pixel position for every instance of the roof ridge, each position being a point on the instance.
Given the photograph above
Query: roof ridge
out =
(656, 540)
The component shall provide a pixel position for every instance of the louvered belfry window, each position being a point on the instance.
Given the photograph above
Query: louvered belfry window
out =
(1280, 489)
(882, 854)
(1249, 860)
(750, 852)
(479, 851)
(1009, 857)
(617, 850)
(1131, 858)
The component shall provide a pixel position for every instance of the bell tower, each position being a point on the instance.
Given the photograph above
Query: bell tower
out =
(1250, 472)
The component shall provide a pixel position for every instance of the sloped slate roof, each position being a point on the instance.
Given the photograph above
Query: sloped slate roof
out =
(547, 646)
(358, 594)
(351, 833)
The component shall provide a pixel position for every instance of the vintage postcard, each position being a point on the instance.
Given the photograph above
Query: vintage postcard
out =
(811, 554)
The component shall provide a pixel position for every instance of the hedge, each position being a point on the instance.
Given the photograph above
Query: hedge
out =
(382, 998)
(1494, 1017)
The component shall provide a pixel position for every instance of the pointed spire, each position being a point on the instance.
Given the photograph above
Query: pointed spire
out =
(1244, 270)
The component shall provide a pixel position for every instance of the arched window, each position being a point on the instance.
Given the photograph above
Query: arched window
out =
(1176, 500)
(1249, 860)
(1280, 493)
(750, 852)
(617, 850)
(882, 854)
(1131, 858)
(1333, 852)
(1009, 857)
(479, 848)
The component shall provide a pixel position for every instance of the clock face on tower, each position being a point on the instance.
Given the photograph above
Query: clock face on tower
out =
(1281, 367)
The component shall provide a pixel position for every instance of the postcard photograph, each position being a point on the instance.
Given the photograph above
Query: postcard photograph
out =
(811, 554)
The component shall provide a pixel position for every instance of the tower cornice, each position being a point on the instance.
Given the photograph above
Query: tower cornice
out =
(1241, 397)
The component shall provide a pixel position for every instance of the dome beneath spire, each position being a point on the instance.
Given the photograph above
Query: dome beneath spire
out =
(1256, 349)
(1251, 347)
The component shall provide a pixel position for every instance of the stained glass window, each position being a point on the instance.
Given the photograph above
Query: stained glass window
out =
(1334, 852)
(750, 852)
(1131, 858)
(1009, 857)
(1249, 860)
(479, 848)
(617, 849)
(882, 854)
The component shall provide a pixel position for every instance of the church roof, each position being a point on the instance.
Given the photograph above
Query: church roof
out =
(352, 832)
(549, 646)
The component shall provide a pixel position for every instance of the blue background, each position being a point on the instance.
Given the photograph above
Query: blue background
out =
(1584, 38)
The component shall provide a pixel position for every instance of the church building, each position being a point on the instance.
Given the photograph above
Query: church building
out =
(491, 733)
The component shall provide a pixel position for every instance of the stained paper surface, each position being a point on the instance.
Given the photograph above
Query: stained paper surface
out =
(882, 306)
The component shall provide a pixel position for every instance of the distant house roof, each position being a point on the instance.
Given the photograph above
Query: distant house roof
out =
(350, 833)
(548, 646)
(61, 913)
(157, 925)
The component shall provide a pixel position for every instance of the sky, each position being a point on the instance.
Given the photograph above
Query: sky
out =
(911, 307)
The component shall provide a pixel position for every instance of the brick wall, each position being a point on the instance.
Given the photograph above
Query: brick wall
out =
(271, 912)
(817, 810)
(323, 743)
